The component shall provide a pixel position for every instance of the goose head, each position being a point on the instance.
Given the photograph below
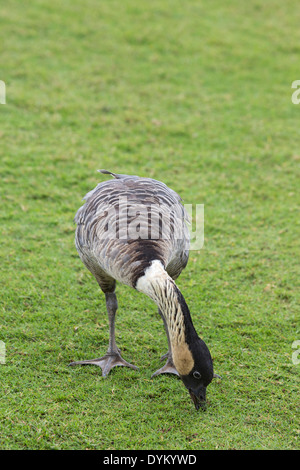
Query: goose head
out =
(197, 379)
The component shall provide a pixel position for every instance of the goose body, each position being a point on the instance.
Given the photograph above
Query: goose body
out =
(111, 253)
(133, 230)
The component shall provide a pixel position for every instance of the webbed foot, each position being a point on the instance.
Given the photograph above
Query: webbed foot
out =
(106, 362)
(168, 368)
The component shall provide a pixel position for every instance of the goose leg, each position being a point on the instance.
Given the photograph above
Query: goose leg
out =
(169, 367)
(113, 357)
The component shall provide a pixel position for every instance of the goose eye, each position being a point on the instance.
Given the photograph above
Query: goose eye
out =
(197, 375)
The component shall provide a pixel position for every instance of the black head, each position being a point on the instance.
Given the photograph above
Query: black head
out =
(201, 374)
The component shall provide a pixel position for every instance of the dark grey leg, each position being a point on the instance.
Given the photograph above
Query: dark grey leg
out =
(113, 357)
(169, 367)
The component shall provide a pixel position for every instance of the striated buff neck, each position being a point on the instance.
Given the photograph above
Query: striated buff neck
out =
(160, 287)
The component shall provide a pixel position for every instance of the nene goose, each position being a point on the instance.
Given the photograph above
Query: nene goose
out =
(121, 235)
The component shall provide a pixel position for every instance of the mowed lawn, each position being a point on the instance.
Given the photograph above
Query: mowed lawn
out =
(194, 94)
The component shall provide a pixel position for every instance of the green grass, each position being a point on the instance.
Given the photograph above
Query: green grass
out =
(199, 97)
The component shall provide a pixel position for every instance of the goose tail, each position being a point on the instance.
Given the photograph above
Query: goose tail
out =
(115, 175)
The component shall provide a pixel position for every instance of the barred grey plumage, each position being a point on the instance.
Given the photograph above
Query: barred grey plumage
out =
(133, 230)
(110, 257)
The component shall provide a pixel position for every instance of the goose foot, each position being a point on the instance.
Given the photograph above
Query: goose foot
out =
(106, 362)
(168, 368)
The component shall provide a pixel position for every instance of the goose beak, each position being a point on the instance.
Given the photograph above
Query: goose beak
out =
(198, 397)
